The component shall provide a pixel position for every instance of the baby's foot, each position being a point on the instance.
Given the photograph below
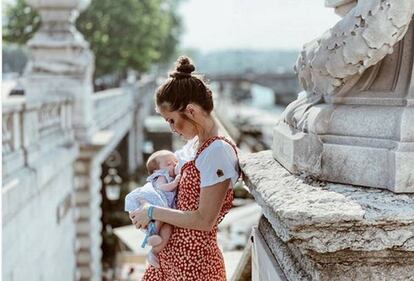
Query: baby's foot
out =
(153, 259)
(154, 240)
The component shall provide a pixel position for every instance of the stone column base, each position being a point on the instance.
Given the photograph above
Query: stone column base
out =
(352, 144)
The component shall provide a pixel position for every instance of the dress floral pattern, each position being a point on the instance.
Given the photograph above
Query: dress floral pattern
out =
(192, 255)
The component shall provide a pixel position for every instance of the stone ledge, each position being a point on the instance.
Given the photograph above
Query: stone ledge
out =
(327, 217)
(340, 266)
(29, 182)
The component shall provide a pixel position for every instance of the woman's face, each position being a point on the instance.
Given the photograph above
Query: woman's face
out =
(178, 124)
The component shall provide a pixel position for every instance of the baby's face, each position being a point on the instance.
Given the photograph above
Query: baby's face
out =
(168, 162)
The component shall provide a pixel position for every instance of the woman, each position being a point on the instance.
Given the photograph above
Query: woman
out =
(204, 192)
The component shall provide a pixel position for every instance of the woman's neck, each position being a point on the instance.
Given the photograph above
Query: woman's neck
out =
(208, 129)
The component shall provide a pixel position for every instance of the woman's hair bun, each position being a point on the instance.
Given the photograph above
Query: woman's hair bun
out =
(184, 64)
(183, 68)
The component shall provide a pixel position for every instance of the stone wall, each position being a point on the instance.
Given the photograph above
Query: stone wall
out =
(37, 190)
(325, 231)
(37, 220)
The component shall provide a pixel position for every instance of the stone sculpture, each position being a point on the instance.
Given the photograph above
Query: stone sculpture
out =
(353, 125)
(329, 65)
(354, 122)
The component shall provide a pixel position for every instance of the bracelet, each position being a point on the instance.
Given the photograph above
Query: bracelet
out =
(150, 211)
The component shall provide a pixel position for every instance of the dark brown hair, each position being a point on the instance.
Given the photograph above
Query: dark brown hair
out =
(183, 87)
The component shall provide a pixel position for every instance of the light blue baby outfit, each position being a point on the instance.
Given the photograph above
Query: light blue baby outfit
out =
(151, 193)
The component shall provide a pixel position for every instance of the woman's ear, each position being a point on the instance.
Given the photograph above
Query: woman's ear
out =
(190, 109)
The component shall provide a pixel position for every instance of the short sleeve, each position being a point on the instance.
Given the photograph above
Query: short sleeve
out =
(217, 163)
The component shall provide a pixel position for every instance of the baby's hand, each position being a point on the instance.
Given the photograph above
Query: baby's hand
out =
(177, 169)
(177, 179)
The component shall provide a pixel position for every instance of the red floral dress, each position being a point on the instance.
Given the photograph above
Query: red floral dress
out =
(192, 255)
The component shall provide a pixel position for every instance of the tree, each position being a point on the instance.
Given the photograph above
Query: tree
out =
(21, 23)
(123, 34)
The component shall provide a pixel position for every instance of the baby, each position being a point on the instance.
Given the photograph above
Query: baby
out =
(160, 190)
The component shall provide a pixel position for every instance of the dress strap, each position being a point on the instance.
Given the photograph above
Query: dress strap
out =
(207, 142)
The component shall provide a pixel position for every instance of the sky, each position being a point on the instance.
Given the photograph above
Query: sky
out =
(253, 24)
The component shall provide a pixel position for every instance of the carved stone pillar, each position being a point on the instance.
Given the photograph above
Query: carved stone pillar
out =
(88, 215)
(355, 125)
(60, 62)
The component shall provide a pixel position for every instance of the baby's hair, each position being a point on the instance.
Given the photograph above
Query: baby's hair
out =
(152, 162)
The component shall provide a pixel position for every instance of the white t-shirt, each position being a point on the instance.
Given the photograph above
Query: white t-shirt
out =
(216, 163)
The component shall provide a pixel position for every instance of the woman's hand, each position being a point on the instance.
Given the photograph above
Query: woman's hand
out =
(139, 217)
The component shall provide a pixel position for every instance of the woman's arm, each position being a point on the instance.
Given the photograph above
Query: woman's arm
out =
(204, 218)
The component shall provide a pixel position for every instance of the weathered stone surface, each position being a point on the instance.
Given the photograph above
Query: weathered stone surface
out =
(342, 265)
(354, 124)
(325, 231)
(379, 22)
(264, 265)
(37, 244)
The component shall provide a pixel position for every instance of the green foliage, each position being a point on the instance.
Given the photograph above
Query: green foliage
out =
(22, 22)
(123, 34)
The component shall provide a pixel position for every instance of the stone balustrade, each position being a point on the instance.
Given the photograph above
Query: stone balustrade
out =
(110, 105)
(29, 128)
(42, 154)
(38, 153)
(26, 128)
(11, 135)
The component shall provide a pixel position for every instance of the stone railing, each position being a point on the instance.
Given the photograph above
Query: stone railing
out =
(109, 105)
(27, 129)
(13, 152)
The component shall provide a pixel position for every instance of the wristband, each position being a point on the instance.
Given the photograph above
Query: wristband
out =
(150, 211)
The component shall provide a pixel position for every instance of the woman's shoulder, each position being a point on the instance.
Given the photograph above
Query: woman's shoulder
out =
(222, 142)
(218, 161)
(216, 149)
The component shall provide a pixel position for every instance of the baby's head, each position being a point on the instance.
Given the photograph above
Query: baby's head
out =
(162, 159)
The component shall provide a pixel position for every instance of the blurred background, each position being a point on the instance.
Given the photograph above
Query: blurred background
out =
(234, 37)
(245, 49)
